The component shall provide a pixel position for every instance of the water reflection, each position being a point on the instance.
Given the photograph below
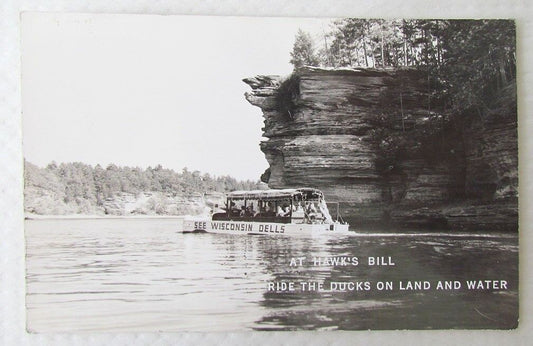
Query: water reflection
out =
(141, 275)
(422, 258)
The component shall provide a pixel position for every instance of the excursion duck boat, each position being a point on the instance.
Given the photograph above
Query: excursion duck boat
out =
(287, 211)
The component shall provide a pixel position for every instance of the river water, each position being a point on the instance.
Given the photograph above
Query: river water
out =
(143, 275)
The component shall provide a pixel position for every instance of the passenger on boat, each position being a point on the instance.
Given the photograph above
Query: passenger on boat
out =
(250, 210)
(311, 213)
(235, 209)
(254, 212)
(269, 210)
(298, 215)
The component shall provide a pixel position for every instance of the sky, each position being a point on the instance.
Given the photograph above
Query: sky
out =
(143, 90)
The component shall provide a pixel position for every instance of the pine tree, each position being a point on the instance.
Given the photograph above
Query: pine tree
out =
(303, 52)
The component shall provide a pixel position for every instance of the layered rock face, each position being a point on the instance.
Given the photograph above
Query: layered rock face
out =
(324, 130)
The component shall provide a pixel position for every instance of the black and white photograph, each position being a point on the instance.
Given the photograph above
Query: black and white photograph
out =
(234, 174)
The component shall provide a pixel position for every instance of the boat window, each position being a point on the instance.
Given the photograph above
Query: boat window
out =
(269, 208)
(236, 206)
(252, 208)
(283, 207)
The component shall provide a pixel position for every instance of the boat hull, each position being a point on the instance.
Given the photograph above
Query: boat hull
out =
(261, 228)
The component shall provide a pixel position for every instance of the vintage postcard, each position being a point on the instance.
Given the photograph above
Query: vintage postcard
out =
(189, 173)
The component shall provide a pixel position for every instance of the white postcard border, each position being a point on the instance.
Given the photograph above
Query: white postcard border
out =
(11, 184)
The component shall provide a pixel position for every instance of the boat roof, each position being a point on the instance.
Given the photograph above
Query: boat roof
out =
(273, 193)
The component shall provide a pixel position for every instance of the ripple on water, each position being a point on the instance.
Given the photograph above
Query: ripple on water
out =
(142, 275)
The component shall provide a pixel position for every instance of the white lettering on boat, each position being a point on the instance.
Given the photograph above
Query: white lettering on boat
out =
(247, 227)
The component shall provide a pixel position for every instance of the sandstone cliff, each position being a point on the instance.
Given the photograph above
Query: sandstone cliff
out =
(360, 136)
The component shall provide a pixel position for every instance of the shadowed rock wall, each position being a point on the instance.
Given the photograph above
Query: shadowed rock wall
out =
(323, 131)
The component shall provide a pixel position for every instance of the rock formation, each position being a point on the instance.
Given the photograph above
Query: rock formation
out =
(332, 129)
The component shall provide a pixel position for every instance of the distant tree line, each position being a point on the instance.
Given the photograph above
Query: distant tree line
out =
(88, 188)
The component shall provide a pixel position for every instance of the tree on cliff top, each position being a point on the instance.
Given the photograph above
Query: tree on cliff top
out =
(479, 61)
(303, 51)
(468, 62)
